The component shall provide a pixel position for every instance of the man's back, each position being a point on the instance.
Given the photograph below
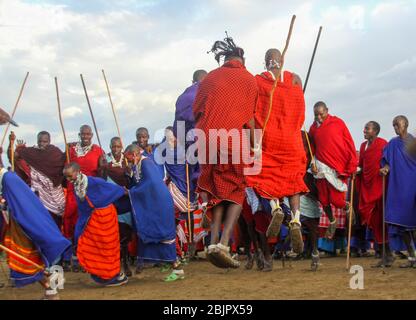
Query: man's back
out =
(226, 98)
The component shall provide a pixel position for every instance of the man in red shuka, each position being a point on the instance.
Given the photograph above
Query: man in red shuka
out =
(336, 161)
(283, 156)
(91, 159)
(225, 101)
(370, 187)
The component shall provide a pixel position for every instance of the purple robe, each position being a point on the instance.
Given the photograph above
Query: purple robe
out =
(184, 108)
(401, 191)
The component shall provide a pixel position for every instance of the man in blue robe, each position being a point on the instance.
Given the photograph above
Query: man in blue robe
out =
(153, 212)
(96, 232)
(400, 167)
(32, 233)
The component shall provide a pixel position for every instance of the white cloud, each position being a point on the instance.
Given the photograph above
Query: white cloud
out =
(71, 112)
(364, 67)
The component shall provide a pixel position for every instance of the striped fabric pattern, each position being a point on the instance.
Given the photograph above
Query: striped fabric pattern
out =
(180, 201)
(53, 198)
(16, 240)
(99, 247)
(339, 214)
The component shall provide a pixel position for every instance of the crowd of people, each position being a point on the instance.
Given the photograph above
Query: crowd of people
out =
(102, 213)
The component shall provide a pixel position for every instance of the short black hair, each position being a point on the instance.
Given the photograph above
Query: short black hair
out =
(142, 129)
(44, 133)
(319, 104)
(132, 148)
(84, 126)
(376, 126)
(404, 118)
(72, 165)
(114, 139)
(198, 74)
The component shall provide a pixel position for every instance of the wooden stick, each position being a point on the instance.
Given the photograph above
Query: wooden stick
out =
(112, 107)
(384, 223)
(12, 153)
(312, 59)
(292, 22)
(14, 109)
(304, 89)
(89, 107)
(350, 223)
(189, 203)
(21, 257)
(60, 119)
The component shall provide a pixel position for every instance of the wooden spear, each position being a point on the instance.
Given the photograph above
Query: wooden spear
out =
(89, 107)
(14, 109)
(60, 119)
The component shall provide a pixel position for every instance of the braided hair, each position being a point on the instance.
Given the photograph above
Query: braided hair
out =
(226, 49)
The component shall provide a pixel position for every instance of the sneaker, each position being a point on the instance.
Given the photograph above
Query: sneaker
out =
(119, 281)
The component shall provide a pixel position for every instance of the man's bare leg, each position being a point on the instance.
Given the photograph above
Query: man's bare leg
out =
(217, 213)
(294, 225)
(407, 239)
(231, 218)
(332, 222)
(312, 225)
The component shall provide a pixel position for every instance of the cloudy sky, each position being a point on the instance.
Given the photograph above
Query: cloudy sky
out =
(365, 68)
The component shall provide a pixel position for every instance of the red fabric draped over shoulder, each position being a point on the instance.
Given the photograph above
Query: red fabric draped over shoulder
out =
(284, 159)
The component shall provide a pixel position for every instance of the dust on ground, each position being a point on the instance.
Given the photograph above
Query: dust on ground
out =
(204, 281)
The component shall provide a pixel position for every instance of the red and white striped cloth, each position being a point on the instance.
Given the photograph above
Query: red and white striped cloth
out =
(180, 201)
(339, 214)
(53, 198)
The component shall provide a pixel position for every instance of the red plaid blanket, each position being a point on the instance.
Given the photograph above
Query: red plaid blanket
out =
(339, 214)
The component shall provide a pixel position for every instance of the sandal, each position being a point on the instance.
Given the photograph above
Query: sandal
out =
(273, 229)
(387, 262)
(175, 276)
(330, 232)
(250, 262)
(259, 257)
(268, 265)
(411, 263)
(315, 262)
(224, 259)
(296, 237)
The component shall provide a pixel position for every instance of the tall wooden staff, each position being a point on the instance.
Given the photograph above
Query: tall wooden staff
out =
(384, 222)
(12, 153)
(292, 22)
(350, 223)
(14, 109)
(112, 107)
(304, 89)
(60, 119)
(89, 107)
(188, 204)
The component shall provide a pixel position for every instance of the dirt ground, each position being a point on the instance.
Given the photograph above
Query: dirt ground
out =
(204, 281)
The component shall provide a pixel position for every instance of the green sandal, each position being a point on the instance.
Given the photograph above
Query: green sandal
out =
(174, 276)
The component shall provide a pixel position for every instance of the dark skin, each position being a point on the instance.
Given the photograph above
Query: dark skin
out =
(370, 134)
(400, 126)
(142, 139)
(116, 149)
